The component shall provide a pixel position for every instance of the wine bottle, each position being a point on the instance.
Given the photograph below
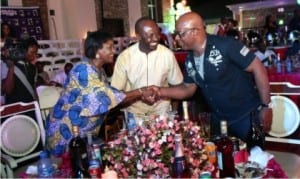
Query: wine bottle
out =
(78, 155)
(179, 165)
(225, 153)
(257, 136)
(185, 110)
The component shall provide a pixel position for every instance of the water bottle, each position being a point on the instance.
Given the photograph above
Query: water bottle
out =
(278, 64)
(289, 65)
(131, 124)
(45, 166)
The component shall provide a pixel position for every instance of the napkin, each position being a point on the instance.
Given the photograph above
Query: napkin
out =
(259, 156)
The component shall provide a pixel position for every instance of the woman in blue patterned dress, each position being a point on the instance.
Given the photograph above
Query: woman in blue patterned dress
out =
(86, 96)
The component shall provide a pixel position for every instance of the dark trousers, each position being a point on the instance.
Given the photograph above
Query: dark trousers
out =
(243, 128)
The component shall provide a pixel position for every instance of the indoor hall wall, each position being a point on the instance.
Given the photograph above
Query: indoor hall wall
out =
(72, 19)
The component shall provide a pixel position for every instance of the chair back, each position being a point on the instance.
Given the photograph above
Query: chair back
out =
(48, 96)
(22, 132)
(286, 116)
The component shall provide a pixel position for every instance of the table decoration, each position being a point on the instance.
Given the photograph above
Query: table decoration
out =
(148, 150)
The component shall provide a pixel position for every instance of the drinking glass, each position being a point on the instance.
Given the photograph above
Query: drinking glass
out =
(204, 122)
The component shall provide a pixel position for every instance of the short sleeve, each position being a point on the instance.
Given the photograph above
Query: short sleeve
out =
(240, 54)
(91, 95)
(4, 70)
(119, 77)
(175, 76)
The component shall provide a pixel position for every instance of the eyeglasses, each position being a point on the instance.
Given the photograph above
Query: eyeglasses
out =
(184, 32)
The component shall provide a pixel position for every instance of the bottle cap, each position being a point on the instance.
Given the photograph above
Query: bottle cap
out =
(75, 129)
(177, 137)
(44, 154)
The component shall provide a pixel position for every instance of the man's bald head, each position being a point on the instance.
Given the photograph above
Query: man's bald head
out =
(190, 19)
(190, 32)
(141, 22)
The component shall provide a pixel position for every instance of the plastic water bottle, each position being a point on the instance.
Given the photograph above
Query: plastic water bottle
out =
(45, 166)
(131, 124)
(278, 64)
(289, 65)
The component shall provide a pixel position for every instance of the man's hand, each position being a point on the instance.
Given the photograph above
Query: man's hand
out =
(265, 116)
(148, 95)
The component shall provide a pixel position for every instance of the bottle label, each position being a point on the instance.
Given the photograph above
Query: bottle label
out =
(46, 172)
(220, 162)
(131, 124)
(84, 155)
(179, 165)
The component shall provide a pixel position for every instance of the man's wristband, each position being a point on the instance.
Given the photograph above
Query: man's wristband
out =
(263, 105)
(141, 91)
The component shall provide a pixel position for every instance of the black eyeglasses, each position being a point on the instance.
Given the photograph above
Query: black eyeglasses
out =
(184, 32)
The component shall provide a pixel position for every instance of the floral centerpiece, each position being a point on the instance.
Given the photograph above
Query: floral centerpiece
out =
(148, 150)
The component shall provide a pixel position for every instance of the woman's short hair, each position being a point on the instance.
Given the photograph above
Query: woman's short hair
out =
(95, 41)
(29, 42)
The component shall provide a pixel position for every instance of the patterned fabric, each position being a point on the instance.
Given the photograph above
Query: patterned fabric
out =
(83, 102)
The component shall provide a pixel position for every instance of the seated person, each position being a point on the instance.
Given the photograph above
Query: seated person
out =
(19, 71)
(265, 55)
(60, 77)
(43, 77)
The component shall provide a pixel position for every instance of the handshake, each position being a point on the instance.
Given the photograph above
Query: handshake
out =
(150, 94)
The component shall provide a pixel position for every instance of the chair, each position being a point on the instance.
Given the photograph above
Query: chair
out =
(48, 96)
(21, 135)
(278, 92)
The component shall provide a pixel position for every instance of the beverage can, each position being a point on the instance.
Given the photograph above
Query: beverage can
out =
(210, 149)
(94, 169)
(205, 175)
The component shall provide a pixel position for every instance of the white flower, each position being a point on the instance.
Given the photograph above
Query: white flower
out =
(164, 138)
(171, 124)
(126, 158)
(139, 166)
(160, 141)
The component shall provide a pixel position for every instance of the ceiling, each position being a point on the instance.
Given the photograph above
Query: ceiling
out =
(214, 9)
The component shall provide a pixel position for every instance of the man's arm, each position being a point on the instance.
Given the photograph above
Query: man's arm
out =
(9, 82)
(261, 79)
(262, 82)
(180, 92)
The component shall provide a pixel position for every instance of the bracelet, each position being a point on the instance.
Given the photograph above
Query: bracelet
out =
(141, 91)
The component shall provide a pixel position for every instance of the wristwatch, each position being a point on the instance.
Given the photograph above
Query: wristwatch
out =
(269, 105)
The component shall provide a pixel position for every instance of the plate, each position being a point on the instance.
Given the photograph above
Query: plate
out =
(20, 135)
(286, 117)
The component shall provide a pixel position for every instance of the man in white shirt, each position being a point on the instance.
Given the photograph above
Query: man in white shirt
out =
(265, 55)
(60, 77)
(146, 63)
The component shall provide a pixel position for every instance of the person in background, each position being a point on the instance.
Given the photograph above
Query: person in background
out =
(221, 28)
(270, 30)
(146, 63)
(163, 38)
(19, 84)
(7, 32)
(233, 29)
(43, 77)
(182, 7)
(265, 55)
(233, 81)
(86, 98)
(294, 23)
(59, 79)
